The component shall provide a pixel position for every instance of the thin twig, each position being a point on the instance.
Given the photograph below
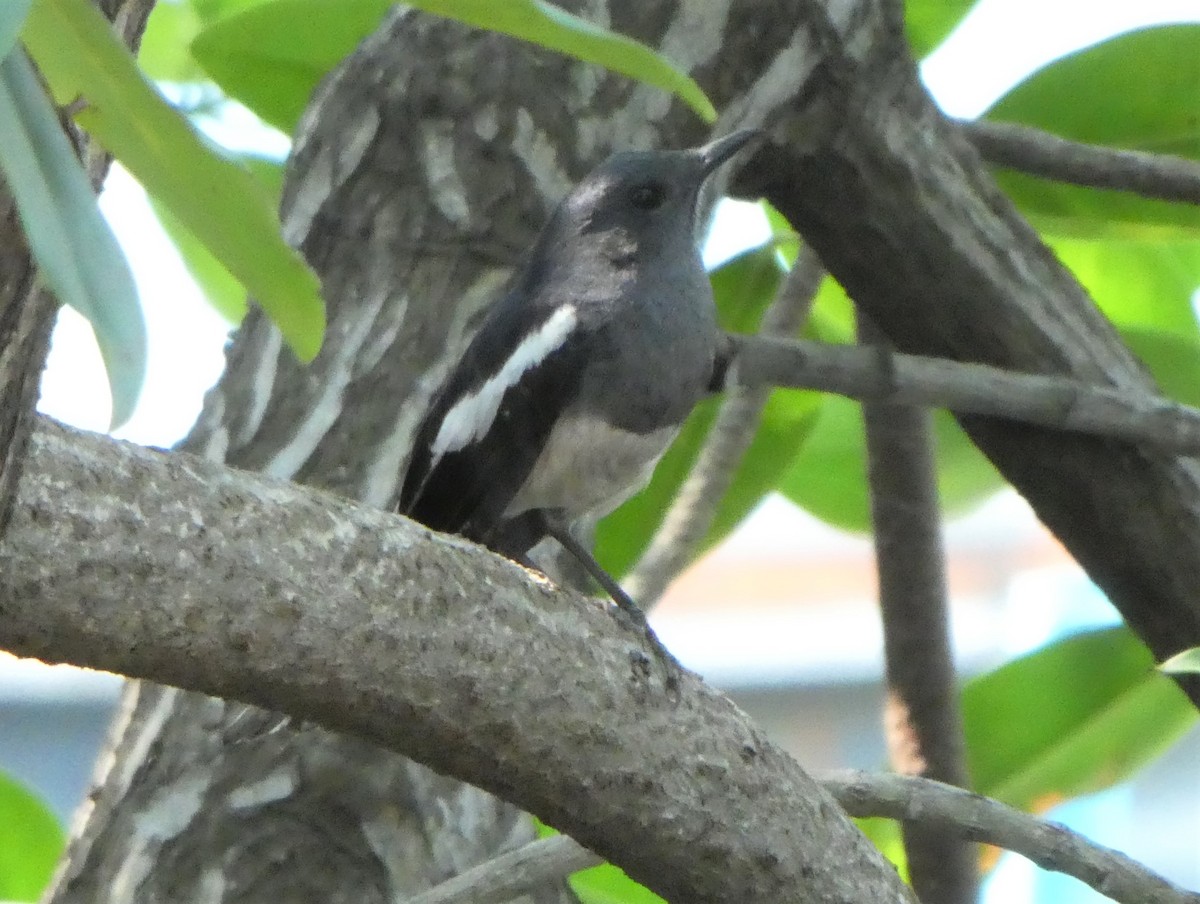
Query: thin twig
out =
(692, 512)
(512, 874)
(923, 723)
(1059, 402)
(1040, 153)
(1048, 844)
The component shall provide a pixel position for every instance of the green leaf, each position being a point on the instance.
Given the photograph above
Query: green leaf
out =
(1146, 285)
(885, 834)
(928, 22)
(76, 252)
(223, 291)
(1173, 360)
(743, 287)
(607, 884)
(219, 201)
(1185, 663)
(210, 11)
(31, 841)
(1135, 91)
(1072, 718)
(12, 17)
(604, 884)
(828, 477)
(163, 53)
(271, 55)
(1071, 211)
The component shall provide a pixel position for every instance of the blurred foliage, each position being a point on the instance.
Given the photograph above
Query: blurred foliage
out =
(271, 55)
(219, 202)
(1091, 710)
(31, 841)
(1136, 91)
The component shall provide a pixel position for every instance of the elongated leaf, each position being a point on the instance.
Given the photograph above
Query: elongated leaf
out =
(1135, 91)
(31, 842)
(12, 17)
(76, 252)
(220, 287)
(219, 201)
(1072, 718)
(270, 56)
(224, 293)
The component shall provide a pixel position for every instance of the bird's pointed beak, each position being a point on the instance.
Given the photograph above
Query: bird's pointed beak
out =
(717, 152)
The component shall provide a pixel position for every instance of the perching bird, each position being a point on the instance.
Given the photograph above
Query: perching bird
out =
(581, 375)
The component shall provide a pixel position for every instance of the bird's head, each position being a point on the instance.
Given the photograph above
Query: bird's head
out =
(639, 201)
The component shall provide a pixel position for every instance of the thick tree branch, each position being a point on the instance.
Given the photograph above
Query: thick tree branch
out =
(179, 570)
(874, 373)
(923, 723)
(1044, 154)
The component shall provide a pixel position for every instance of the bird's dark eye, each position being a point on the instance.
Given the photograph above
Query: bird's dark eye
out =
(648, 195)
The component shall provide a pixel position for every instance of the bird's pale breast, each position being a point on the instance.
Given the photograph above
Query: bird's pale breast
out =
(589, 467)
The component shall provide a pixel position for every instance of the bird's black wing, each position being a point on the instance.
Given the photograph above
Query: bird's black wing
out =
(466, 490)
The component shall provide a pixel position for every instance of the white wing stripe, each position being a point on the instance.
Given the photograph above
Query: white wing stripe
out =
(472, 415)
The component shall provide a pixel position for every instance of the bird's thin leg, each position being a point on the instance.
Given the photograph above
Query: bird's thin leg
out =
(559, 531)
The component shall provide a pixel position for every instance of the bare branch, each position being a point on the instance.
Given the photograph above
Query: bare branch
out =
(1060, 402)
(924, 729)
(513, 874)
(695, 506)
(172, 568)
(1049, 845)
(1040, 153)
(971, 816)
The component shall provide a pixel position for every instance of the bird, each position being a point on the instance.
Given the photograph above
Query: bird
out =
(581, 374)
